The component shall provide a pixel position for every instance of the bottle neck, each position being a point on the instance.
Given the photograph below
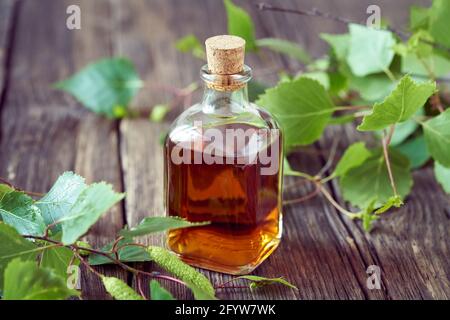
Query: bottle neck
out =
(225, 95)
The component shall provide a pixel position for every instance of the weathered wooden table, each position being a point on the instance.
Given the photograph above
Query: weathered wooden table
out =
(45, 132)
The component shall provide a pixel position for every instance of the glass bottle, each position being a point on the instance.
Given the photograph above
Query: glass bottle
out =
(223, 165)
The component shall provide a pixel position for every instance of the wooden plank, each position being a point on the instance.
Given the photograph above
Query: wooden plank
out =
(316, 253)
(7, 10)
(410, 244)
(45, 132)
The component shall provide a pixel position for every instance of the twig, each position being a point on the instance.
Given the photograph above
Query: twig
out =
(386, 142)
(314, 12)
(330, 198)
(87, 265)
(31, 193)
(310, 195)
(330, 157)
(114, 247)
(138, 281)
(114, 260)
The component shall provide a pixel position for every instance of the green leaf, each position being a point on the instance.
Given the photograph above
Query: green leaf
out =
(197, 282)
(92, 203)
(399, 106)
(58, 260)
(4, 189)
(368, 218)
(61, 197)
(159, 224)
(338, 120)
(191, 44)
(12, 245)
(126, 254)
(159, 112)
(240, 24)
(18, 210)
(340, 44)
(255, 89)
(119, 290)
(439, 65)
(370, 50)
(157, 292)
(439, 24)
(24, 280)
(103, 85)
(370, 180)
(302, 107)
(415, 150)
(394, 201)
(437, 137)
(286, 47)
(257, 281)
(418, 17)
(374, 87)
(321, 76)
(442, 176)
(402, 130)
(353, 157)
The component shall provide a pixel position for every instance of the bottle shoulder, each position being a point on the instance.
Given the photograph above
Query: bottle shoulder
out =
(252, 116)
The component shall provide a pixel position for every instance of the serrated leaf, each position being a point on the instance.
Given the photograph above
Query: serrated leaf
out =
(418, 17)
(370, 180)
(340, 44)
(370, 50)
(13, 245)
(240, 24)
(442, 175)
(302, 107)
(438, 21)
(4, 189)
(353, 157)
(91, 204)
(402, 131)
(437, 137)
(320, 76)
(126, 254)
(191, 44)
(159, 224)
(24, 280)
(119, 290)
(286, 47)
(415, 150)
(257, 281)
(399, 106)
(157, 292)
(18, 210)
(103, 85)
(61, 197)
(200, 285)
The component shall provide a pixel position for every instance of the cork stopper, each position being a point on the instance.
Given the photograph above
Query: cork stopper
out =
(225, 54)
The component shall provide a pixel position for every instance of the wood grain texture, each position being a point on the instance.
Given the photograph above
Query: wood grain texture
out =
(45, 132)
(410, 244)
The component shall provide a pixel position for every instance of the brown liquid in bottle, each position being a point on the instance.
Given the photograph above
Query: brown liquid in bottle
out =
(242, 205)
